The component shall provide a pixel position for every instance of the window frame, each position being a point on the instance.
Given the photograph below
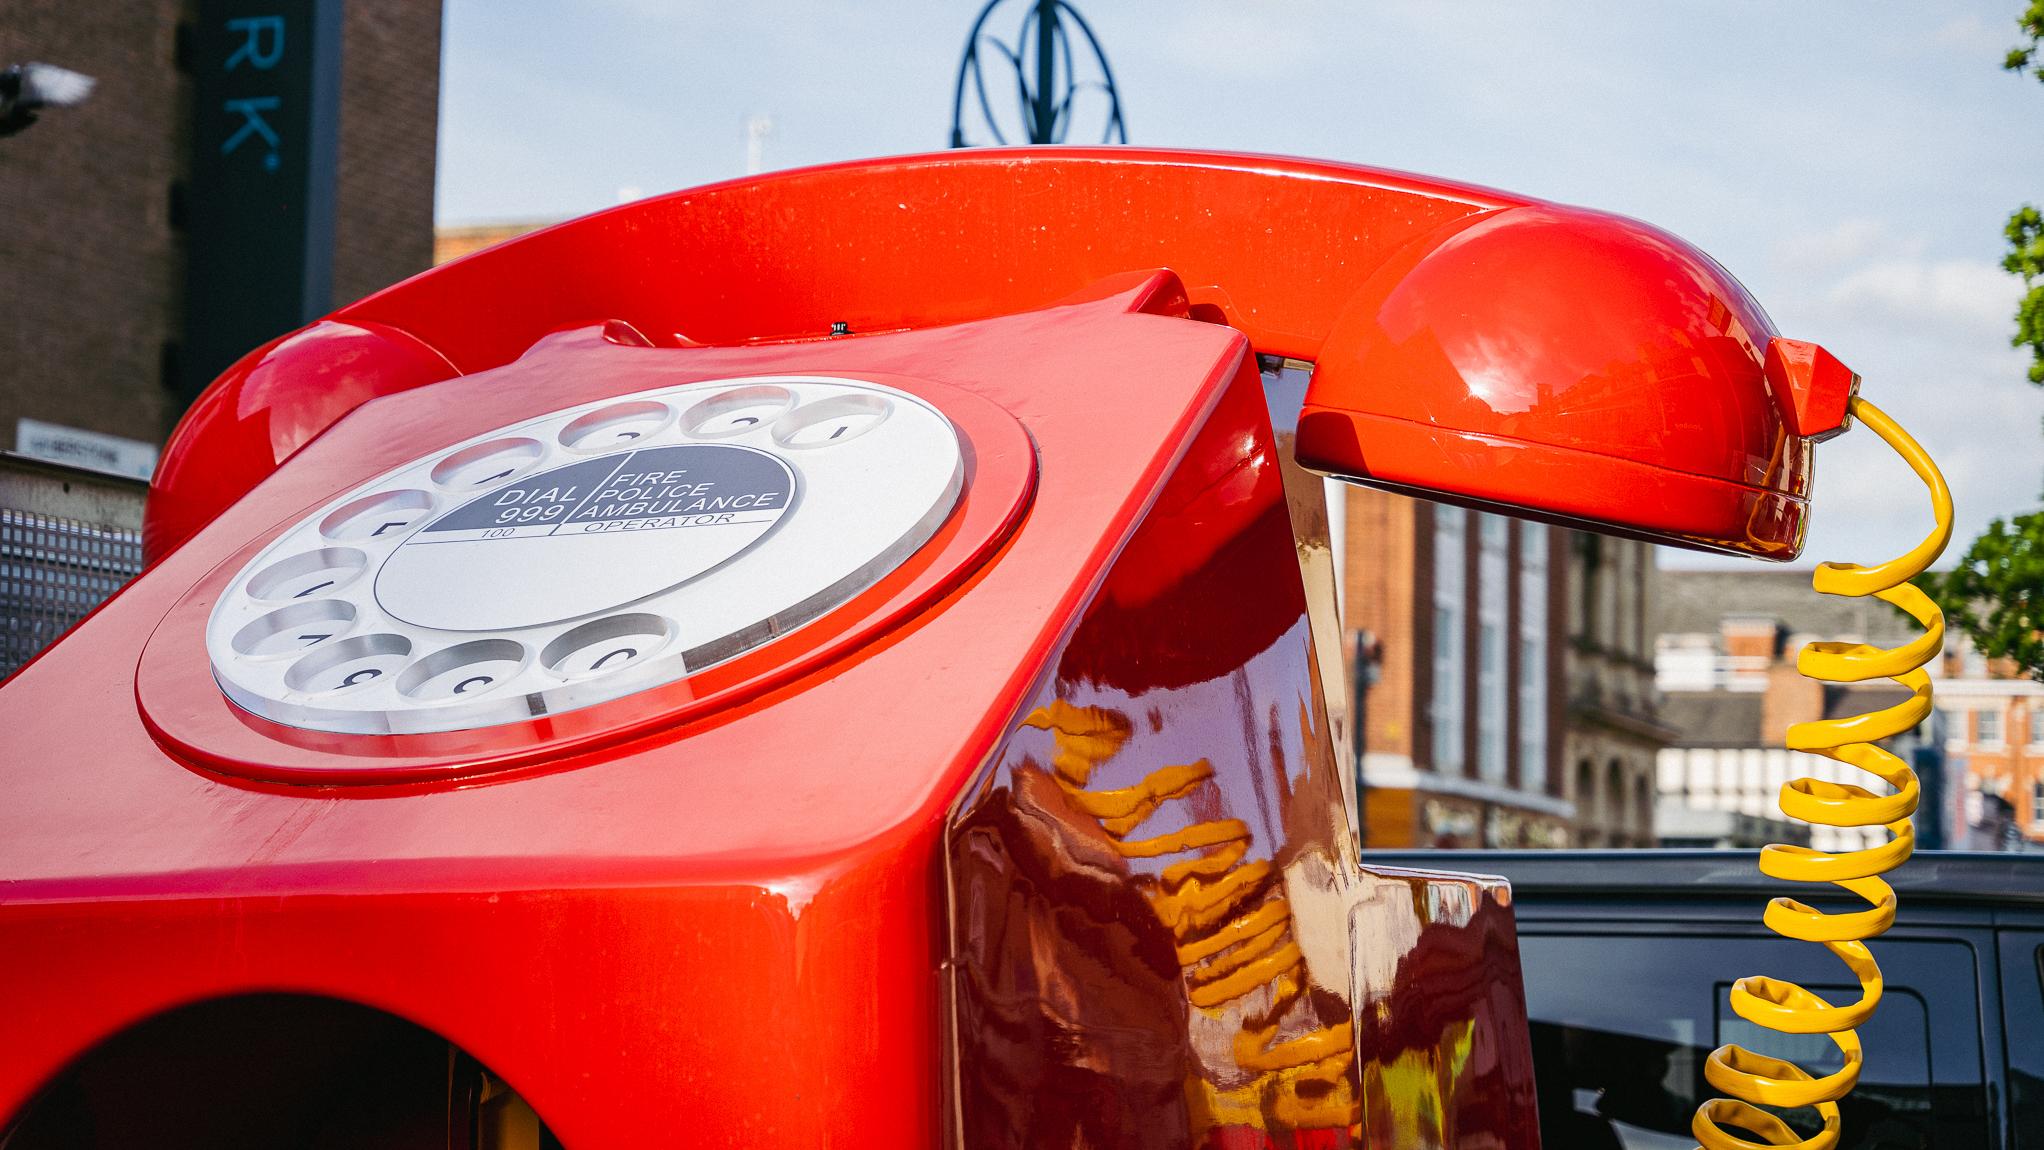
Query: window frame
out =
(1532, 644)
(1981, 716)
(1445, 714)
(1493, 614)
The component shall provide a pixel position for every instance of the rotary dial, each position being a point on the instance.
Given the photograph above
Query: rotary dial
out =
(583, 555)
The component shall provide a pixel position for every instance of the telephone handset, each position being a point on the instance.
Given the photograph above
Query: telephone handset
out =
(888, 568)
(1608, 376)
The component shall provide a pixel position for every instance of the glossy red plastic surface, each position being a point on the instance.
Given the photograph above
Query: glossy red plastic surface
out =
(743, 924)
(1273, 245)
(762, 906)
(1819, 387)
(273, 401)
(1161, 936)
(724, 926)
(1573, 363)
(1469, 342)
(190, 715)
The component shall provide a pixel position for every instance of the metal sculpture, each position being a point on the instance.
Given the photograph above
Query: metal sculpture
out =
(1046, 77)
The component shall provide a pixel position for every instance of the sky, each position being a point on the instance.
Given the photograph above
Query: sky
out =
(1851, 163)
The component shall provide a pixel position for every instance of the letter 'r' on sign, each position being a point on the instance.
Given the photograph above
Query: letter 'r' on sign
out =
(262, 42)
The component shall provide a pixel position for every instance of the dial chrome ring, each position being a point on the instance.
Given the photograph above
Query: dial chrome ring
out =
(583, 555)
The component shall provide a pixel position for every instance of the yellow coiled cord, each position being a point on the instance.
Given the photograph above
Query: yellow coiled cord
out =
(1755, 1080)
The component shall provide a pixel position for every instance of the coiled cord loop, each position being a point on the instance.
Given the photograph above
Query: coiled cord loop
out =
(1754, 1080)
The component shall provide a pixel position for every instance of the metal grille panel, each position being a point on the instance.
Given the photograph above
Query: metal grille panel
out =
(53, 572)
(69, 539)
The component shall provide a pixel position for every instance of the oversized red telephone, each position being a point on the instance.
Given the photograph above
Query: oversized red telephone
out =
(824, 659)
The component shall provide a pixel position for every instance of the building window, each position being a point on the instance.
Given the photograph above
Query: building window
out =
(1987, 728)
(2037, 803)
(1449, 525)
(1622, 586)
(1497, 531)
(1490, 687)
(1588, 817)
(1605, 632)
(1533, 656)
(1617, 805)
(1492, 702)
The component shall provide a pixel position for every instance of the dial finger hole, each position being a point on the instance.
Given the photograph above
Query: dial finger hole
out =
(603, 646)
(384, 515)
(294, 629)
(349, 664)
(832, 421)
(619, 425)
(462, 671)
(307, 574)
(477, 467)
(737, 411)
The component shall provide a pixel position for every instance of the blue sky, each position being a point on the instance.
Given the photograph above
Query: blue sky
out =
(1851, 162)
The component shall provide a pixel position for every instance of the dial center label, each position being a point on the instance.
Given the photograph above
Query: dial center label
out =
(692, 485)
(586, 537)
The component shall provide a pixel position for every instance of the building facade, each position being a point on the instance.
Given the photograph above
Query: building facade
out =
(1994, 739)
(93, 251)
(1615, 729)
(1725, 659)
(456, 241)
(1454, 617)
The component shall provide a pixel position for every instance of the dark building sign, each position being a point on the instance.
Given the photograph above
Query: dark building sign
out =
(260, 208)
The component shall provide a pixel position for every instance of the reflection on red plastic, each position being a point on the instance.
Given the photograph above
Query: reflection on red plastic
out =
(273, 401)
(1160, 934)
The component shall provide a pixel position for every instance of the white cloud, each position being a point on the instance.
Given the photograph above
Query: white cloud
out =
(1865, 276)
(1971, 35)
(1928, 328)
(1972, 295)
(1845, 242)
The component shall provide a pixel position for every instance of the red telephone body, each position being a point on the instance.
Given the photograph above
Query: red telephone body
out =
(1038, 838)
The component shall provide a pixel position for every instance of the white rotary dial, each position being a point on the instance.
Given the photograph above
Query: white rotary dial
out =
(584, 555)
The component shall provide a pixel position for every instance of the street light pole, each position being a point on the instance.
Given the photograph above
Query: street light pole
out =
(1046, 71)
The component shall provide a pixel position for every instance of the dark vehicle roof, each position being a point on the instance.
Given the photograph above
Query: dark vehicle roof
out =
(1967, 877)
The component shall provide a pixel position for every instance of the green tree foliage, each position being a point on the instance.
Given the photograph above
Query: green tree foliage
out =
(1996, 594)
(2026, 258)
(2025, 228)
(2023, 57)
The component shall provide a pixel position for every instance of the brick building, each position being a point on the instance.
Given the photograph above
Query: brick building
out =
(1725, 660)
(92, 251)
(1463, 725)
(452, 243)
(1615, 726)
(1994, 738)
